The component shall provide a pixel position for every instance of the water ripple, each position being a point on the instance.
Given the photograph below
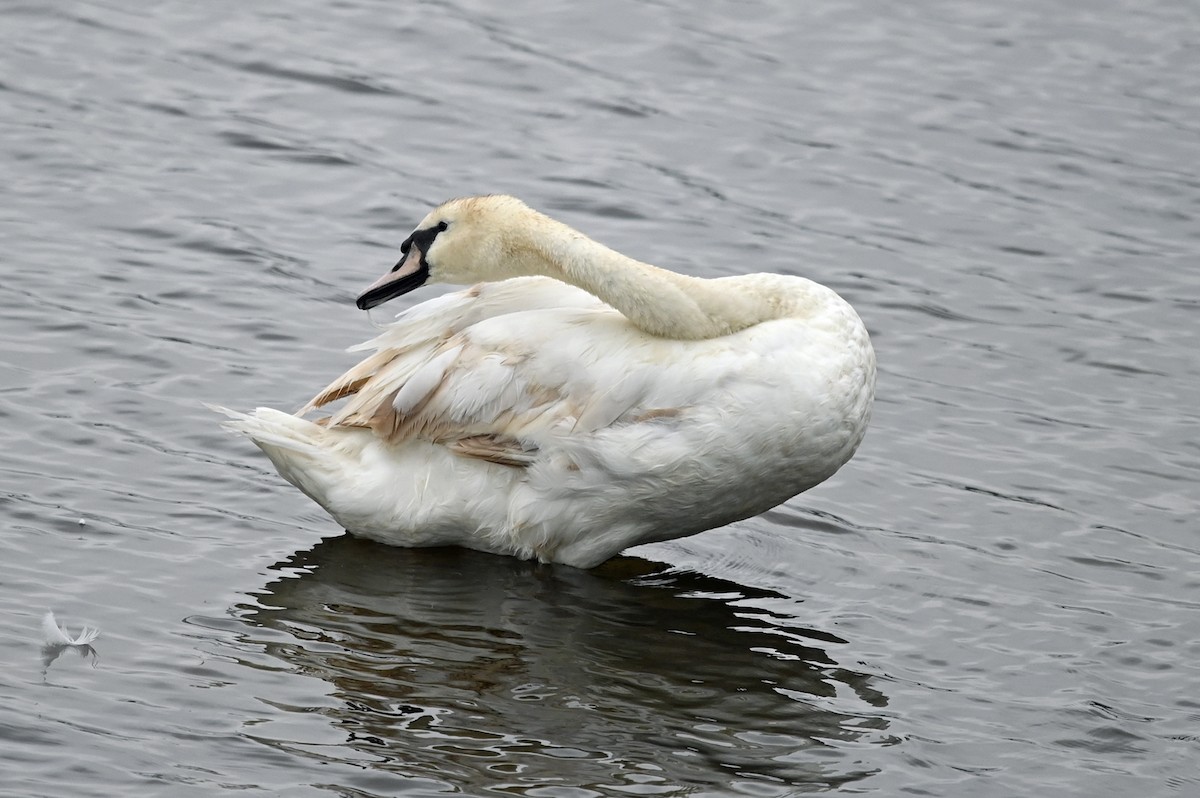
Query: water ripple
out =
(995, 597)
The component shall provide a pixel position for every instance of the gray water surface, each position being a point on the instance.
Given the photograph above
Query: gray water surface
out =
(998, 596)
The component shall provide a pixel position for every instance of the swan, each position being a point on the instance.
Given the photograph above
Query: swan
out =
(574, 402)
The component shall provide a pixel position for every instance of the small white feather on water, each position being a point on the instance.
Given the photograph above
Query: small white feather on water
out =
(58, 636)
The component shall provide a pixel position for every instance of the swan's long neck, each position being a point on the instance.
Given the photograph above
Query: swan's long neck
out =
(658, 301)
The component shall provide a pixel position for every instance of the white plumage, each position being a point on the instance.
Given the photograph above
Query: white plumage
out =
(576, 402)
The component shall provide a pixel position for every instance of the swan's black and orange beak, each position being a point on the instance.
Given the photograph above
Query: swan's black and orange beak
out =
(411, 272)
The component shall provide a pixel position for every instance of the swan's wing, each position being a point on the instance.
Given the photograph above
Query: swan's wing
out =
(491, 372)
(419, 329)
(499, 387)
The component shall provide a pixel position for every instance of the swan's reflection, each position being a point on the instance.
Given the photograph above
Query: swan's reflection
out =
(485, 670)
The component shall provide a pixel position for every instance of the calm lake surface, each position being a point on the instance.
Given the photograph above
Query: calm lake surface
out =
(998, 596)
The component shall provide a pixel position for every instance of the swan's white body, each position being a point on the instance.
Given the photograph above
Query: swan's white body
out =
(528, 417)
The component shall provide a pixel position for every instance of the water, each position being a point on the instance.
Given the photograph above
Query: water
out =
(996, 597)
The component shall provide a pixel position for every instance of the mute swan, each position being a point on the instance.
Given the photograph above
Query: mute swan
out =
(574, 402)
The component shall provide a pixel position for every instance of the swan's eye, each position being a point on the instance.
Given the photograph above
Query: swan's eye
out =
(423, 239)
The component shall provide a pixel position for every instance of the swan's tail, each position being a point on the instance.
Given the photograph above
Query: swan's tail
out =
(300, 449)
(418, 494)
(273, 428)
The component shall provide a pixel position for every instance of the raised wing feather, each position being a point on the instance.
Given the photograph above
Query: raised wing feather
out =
(422, 326)
(490, 372)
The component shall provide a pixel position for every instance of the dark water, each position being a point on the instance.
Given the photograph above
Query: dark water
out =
(997, 597)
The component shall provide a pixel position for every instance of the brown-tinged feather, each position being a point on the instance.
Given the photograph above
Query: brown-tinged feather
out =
(494, 449)
(353, 380)
(656, 412)
(385, 421)
(336, 391)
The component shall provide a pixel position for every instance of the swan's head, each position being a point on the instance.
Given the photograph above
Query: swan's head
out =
(475, 239)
